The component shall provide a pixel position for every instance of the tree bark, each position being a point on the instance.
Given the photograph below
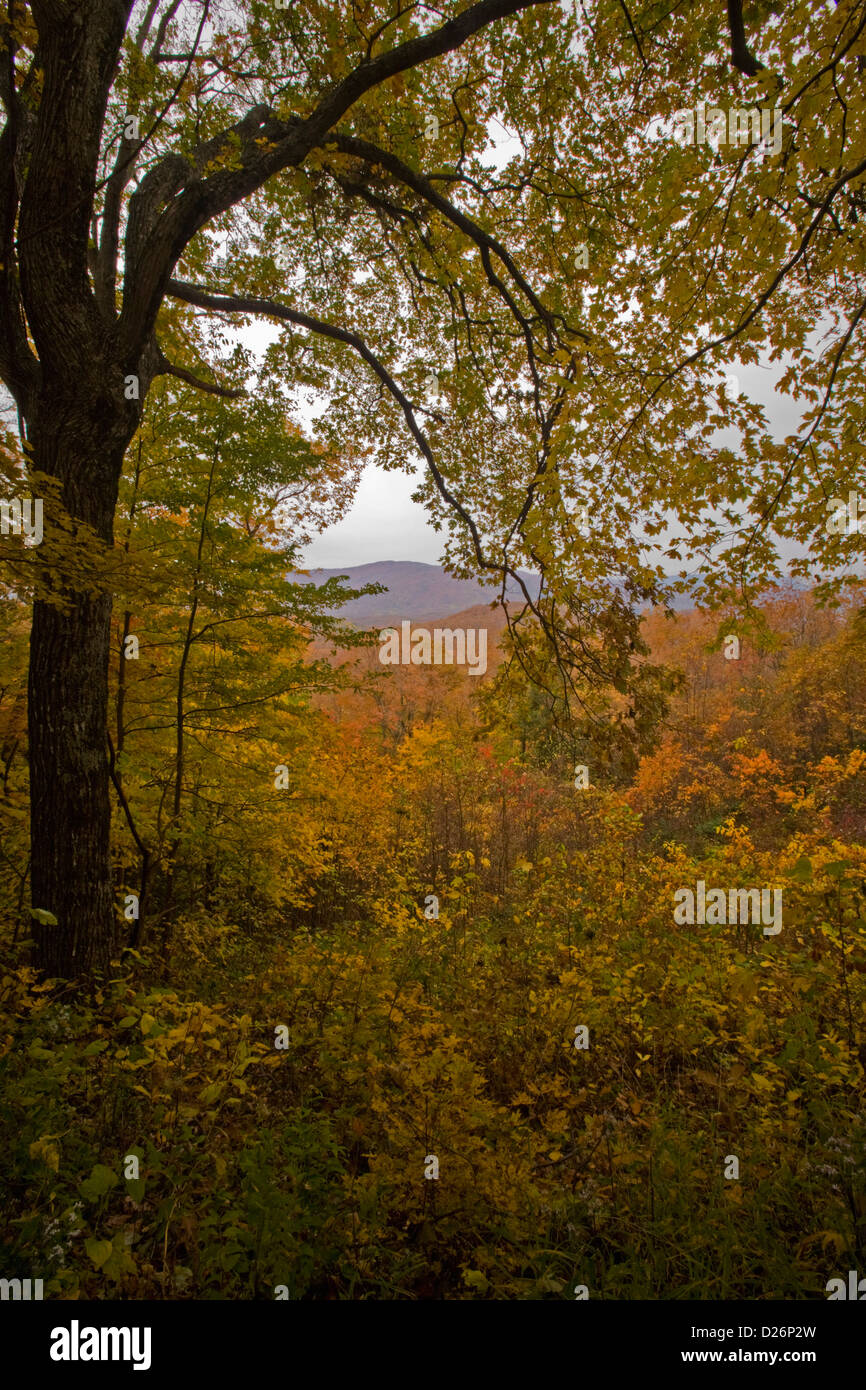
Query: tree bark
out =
(70, 811)
(83, 446)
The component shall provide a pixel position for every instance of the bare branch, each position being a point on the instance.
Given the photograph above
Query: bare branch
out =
(634, 33)
(163, 27)
(144, 27)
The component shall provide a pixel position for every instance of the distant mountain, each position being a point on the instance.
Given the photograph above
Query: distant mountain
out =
(415, 591)
(421, 592)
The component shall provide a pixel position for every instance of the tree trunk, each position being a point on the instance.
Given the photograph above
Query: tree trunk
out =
(70, 810)
(70, 806)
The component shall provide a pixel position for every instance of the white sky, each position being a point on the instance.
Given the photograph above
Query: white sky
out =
(383, 524)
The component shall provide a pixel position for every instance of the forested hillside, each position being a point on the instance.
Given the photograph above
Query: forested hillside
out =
(391, 959)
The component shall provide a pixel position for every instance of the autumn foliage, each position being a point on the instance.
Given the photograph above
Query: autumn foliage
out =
(410, 1035)
(325, 981)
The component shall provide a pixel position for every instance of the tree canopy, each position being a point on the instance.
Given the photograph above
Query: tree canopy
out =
(548, 332)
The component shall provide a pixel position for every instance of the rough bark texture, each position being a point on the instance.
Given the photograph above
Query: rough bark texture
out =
(78, 426)
(70, 811)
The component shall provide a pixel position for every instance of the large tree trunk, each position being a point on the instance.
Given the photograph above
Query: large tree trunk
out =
(79, 422)
(70, 814)
(70, 809)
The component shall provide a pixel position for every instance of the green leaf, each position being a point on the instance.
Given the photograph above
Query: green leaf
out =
(98, 1250)
(802, 870)
(119, 1261)
(837, 868)
(100, 1181)
(42, 915)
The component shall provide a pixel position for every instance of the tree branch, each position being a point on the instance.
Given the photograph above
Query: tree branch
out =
(823, 210)
(213, 388)
(624, 7)
(105, 278)
(224, 303)
(742, 56)
(372, 154)
(238, 304)
(770, 510)
(266, 147)
(163, 28)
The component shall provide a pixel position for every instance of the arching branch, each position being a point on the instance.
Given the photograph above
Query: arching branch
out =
(261, 146)
(562, 641)
(422, 186)
(231, 303)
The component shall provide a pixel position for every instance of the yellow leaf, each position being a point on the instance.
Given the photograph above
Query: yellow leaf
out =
(48, 1152)
(833, 1238)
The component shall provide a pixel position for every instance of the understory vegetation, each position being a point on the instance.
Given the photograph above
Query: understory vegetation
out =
(287, 1048)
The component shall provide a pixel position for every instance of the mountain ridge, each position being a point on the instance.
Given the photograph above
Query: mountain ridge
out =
(419, 591)
(415, 590)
